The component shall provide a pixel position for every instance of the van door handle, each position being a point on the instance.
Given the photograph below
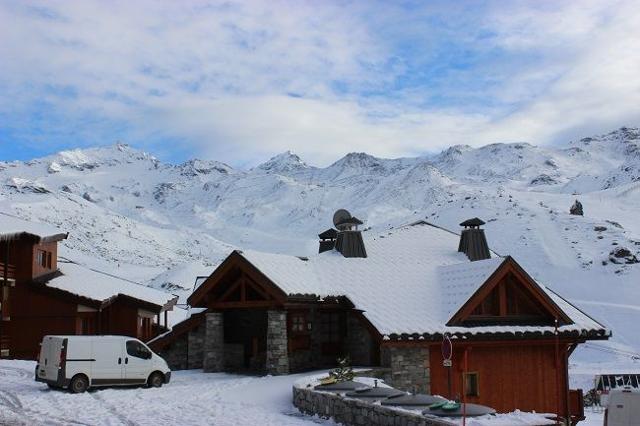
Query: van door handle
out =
(119, 360)
(126, 360)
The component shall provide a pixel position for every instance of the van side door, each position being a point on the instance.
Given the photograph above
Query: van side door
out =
(138, 362)
(108, 367)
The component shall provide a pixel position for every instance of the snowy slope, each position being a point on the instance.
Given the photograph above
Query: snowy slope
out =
(163, 224)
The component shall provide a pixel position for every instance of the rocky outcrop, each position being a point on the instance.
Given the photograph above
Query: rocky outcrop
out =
(576, 209)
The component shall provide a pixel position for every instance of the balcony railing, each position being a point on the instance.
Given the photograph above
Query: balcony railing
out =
(11, 270)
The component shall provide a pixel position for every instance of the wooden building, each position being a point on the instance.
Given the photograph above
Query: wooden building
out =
(391, 308)
(41, 294)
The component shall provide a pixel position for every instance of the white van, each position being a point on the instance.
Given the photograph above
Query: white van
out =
(623, 408)
(80, 362)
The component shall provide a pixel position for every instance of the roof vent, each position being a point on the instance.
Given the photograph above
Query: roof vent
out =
(349, 240)
(473, 242)
(327, 240)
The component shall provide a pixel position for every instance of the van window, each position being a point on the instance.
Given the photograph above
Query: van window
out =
(137, 350)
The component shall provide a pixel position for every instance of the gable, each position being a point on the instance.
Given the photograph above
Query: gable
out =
(236, 283)
(509, 297)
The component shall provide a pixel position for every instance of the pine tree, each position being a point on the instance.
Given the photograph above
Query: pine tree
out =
(343, 372)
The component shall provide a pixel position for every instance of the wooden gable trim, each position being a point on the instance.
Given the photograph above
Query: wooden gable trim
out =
(263, 284)
(509, 265)
(236, 284)
(144, 304)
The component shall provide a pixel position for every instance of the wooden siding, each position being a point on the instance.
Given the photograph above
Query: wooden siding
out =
(33, 315)
(510, 376)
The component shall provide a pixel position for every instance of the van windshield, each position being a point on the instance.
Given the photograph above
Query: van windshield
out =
(137, 350)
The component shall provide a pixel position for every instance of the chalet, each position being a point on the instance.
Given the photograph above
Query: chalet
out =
(388, 301)
(41, 294)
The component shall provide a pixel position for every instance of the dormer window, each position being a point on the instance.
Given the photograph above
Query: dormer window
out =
(41, 258)
(44, 259)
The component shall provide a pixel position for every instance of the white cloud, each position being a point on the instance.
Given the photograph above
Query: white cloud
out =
(241, 81)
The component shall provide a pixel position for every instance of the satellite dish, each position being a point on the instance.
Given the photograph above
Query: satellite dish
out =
(340, 216)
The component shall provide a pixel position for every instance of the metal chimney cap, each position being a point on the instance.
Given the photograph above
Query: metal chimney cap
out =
(472, 222)
(350, 221)
(341, 216)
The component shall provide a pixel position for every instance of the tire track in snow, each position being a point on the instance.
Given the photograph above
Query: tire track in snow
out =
(10, 401)
(21, 373)
(112, 409)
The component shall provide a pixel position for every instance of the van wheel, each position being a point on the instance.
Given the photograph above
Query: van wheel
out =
(79, 384)
(155, 380)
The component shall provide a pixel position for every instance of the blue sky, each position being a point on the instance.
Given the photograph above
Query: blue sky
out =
(242, 81)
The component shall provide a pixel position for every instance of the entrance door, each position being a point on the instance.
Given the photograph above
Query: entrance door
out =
(108, 367)
(137, 362)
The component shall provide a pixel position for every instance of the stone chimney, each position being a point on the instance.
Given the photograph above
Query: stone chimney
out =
(473, 242)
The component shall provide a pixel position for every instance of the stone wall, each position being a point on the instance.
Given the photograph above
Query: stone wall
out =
(277, 351)
(359, 344)
(176, 353)
(196, 347)
(355, 412)
(213, 351)
(410, 368)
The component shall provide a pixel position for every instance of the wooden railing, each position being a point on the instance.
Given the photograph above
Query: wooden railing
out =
(11, 270)
(4, 345)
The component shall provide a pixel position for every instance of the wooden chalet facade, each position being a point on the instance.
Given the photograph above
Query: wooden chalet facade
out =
(34, 301)
(391, 310)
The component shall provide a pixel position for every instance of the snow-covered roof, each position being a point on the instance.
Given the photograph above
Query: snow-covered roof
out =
(101, 287)
(12, 228)
(412, 281)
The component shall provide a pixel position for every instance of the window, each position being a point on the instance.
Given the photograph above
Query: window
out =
(44, 258)
(138, 350)
(298, 323)
(85, 324)
(41, 258)
(471, 384)
(300, 327)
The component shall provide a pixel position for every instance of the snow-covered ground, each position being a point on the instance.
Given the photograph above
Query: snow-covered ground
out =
(192, 398)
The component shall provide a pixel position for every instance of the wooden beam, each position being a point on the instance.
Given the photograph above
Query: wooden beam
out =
(502, 292)
(258, 289)
(524, 281)
(245, 304)
(237, 283)
(243, 289)
(236, 260)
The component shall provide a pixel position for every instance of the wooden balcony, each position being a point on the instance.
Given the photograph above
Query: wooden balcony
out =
(11, 271)
(4, 346)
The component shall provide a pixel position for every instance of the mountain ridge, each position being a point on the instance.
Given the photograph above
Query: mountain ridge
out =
(163, 224)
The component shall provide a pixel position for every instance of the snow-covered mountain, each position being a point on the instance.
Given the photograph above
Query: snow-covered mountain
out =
(163, 224)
